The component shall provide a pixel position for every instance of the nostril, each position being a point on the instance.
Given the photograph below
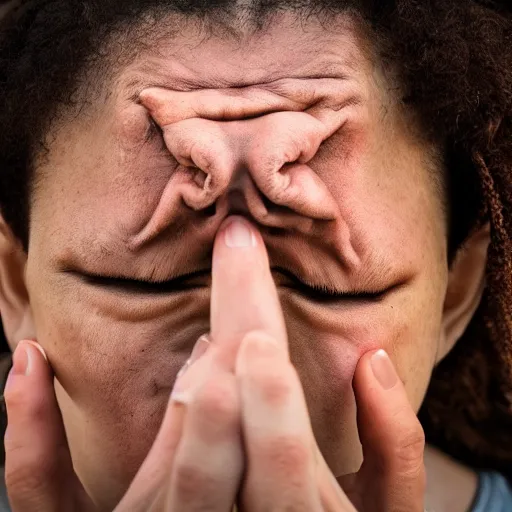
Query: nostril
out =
(277, 232)
(211, 210)
(200, 177)
(272, 207)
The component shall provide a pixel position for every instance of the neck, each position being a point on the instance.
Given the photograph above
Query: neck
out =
(451, 487)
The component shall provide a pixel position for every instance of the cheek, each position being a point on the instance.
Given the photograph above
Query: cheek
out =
(326, 348)
(113, 378)
(93, 355)
(116, 376)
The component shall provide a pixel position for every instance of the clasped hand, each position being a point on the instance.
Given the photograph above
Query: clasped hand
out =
(236, 431)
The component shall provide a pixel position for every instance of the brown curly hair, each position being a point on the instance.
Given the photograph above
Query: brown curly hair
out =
(454, 64)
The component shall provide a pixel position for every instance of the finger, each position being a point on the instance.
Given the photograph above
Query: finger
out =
(151, 482)
(332, 496)
(208, 466)
(244, 296)
(38, 469)
(279, 442)
(393, 472)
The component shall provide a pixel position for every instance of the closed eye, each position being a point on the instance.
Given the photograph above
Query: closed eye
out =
(323, 293)
(184, 282)
(202, 278)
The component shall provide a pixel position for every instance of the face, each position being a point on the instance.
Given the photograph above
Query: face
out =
(296, 127)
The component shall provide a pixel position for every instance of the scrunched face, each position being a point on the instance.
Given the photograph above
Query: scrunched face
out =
(295, 127)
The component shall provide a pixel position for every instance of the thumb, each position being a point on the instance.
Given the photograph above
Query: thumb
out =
(393, 474)
(38, 468)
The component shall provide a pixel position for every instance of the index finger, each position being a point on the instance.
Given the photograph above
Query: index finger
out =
(244, 296)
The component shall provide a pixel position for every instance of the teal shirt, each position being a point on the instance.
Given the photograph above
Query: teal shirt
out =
(494, 494)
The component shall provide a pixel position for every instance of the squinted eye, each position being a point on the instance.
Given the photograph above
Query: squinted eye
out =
(185, 282)
(323, 293)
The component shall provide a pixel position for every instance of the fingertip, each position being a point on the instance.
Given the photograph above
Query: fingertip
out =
(240, 260)
(36, 357)
(383, 369)
(256, 348)
(388, 425)
(244, 296)
(379, 393)
(238, 233)
(237, 255)
(29, 376)
(376, 369)
(37, 346)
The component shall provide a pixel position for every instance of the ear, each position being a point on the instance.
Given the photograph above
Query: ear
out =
(14, 302)
(466, 283)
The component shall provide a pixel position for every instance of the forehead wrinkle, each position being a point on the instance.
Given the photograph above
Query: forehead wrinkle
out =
(165, 65)
(133, 82)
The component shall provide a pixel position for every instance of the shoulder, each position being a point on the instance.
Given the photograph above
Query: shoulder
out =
(494, 494)
(453, 487)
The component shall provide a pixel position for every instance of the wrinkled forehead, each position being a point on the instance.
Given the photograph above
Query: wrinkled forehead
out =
(293, 86)
(183, 53)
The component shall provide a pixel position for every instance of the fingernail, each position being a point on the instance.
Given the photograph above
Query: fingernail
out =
(180, 390)
(201, 346)
(257, 348)
(239, 234)
(383, 369)
(21, 363)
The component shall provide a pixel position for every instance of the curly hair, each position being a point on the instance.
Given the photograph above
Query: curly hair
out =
(454, 65)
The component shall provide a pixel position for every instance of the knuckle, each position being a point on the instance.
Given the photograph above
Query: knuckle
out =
(218, 401)
(411, 446)
(191, 481)
(14, 396)
(29, 478)
(287, 455)
(19, 402)
(276, 387)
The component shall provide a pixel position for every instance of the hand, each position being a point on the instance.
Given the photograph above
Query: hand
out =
(205, 434)
(284, 467)
(245, 383)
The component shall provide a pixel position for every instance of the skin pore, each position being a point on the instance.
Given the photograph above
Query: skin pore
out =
(377, 224)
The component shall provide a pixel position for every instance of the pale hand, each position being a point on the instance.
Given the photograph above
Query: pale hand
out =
(237, 429)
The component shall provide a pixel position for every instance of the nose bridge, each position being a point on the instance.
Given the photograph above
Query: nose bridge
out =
(265, 158)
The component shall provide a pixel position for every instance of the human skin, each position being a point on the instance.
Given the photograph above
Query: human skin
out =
(236, 428)
(115, 354)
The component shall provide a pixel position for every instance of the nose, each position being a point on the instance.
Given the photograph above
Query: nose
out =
(227, 157)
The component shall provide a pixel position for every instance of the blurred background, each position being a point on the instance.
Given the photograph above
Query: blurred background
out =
(3, 342)
(4, 5)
